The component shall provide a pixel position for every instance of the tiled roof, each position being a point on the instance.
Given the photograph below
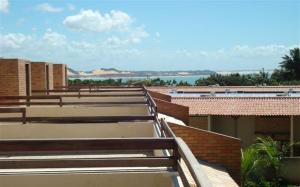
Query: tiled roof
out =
(245, 106)
(223, 88)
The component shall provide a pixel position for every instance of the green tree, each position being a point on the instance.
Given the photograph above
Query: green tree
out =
(261, 163)
(289, 67)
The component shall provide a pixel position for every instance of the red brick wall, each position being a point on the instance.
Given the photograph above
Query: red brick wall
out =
(160, 96)
(12, 77)
(59, 75)
(212, 148)
(38, 76)
(177, 111)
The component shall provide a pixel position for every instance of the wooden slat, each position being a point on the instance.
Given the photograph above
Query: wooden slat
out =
(105, 103)
(82, 91)
(78, 119)
(28, 99)
(104, 95)
(74, 103)
(12, 110)
(29, 103)
(113, 90)
(15, 110)
(77, 163)
(53, 91)
(31, 97)
(83, 145)
(94, 86)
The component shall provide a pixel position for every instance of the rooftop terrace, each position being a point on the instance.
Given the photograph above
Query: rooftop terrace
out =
(94, 136)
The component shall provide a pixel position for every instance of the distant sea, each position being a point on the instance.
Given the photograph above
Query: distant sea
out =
(189, 79)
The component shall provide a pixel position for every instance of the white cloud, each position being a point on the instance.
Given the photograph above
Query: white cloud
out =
(136, 36)
(94, 21)
(54, 38)
(114, 41)
(46, 7)
(120, 52)
(4, 6)
(13, 41)
(71, 7)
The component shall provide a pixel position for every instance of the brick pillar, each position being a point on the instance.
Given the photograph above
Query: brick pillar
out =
(51, 81)
(59, 75)
(13, 77)
(40, 79)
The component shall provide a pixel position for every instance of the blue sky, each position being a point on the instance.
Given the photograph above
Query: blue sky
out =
(151, 35)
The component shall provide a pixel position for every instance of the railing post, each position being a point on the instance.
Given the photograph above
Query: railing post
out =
(60, 101)
(28, 101)
(24, 116)
(176, 156)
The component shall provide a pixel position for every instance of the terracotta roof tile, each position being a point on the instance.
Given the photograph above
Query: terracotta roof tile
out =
(223, 88)
(246, 106)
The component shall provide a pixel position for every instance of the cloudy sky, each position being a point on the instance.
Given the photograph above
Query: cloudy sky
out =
(151, 35)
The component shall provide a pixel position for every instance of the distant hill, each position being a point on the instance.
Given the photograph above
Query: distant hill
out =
(112, 72)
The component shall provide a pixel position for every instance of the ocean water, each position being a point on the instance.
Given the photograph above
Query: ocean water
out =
(189, 79)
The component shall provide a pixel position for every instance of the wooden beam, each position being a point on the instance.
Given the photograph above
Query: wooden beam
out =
(105, 95)
(15, 110)
(31, 97)
(96, 86)
(12, 110)
(83, 145)
(79, 90)
(79, 119)
(74, 103)
(78, 163)
(29, 103)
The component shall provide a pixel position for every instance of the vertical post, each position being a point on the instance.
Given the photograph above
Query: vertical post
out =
(292, 135)
(209, 122)
(27, 101)
(24, 115)
(235, 118)
(60, 101)
(176, 155)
